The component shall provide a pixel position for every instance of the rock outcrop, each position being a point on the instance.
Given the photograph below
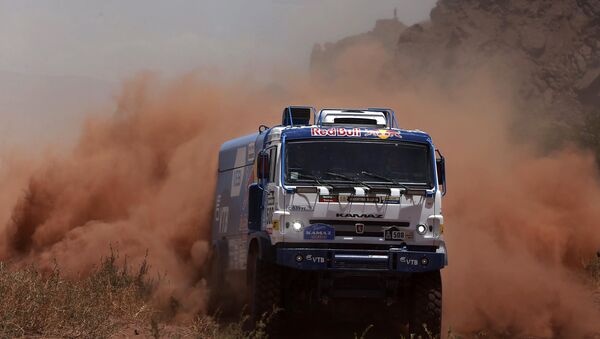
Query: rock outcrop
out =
(553, 47)
(385, 34)
(549, 51)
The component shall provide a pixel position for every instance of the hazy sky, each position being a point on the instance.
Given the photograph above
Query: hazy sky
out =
(111, 39)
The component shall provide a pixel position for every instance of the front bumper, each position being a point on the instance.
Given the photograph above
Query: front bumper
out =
(391, 260)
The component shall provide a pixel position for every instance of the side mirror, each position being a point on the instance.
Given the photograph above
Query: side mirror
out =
(262, 129)
(262, 166)
(440, 165)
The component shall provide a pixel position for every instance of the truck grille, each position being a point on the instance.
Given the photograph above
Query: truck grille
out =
(347, 228)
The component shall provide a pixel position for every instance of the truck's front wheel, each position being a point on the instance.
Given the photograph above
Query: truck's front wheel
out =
(426, 305)
(264, 292)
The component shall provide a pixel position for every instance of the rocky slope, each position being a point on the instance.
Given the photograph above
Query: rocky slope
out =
(552, 47)
(550, 50)
(385, 35)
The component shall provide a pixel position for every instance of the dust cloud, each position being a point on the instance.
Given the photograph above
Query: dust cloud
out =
(141, 182)
(519, 222)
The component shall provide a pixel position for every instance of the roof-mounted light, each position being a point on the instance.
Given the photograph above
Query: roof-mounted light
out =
(297, 115)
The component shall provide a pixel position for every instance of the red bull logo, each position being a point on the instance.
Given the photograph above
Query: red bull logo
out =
(383, 134)
(335, 132)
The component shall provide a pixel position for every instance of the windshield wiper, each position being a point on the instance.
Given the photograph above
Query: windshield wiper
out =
(347, 178)
(319, 181)
(377, 176)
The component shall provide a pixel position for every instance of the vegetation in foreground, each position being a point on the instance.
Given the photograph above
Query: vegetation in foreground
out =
(48, 304)
(593, 270)
(115, 301)
(110, 301)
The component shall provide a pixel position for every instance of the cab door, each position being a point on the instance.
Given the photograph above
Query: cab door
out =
(271, 221)
(263, 194)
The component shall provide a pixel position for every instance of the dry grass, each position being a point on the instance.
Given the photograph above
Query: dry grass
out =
(36, 304)
(113, 301)
(593, 270)
(204, 327)
(110, 301)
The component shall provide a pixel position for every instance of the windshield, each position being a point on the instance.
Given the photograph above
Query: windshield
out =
(355, 162)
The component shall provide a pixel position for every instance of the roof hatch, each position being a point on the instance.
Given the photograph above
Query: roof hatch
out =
(356, 117)
(370, 117)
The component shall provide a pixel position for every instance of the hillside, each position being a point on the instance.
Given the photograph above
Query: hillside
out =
(384, 34)
(548, 50)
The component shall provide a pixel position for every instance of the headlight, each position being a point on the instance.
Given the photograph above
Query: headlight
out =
(421, 229)
(297, 226)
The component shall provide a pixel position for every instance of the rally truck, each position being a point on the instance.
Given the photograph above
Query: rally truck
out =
(329, 207)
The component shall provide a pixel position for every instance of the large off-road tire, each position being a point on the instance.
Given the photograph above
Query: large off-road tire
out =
(223, 301)
(425, 313)
(215, 279)
(264, 294)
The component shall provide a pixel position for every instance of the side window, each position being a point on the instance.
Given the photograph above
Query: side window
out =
(273, 163)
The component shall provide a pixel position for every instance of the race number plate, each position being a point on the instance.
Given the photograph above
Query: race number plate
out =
(394, 233)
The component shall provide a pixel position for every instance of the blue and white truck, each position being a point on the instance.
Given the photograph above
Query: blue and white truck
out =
(347, 207)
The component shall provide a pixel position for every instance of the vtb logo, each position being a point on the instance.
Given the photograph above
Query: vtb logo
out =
(360, 228)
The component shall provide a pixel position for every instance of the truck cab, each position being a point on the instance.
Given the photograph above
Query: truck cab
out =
(346, 207)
